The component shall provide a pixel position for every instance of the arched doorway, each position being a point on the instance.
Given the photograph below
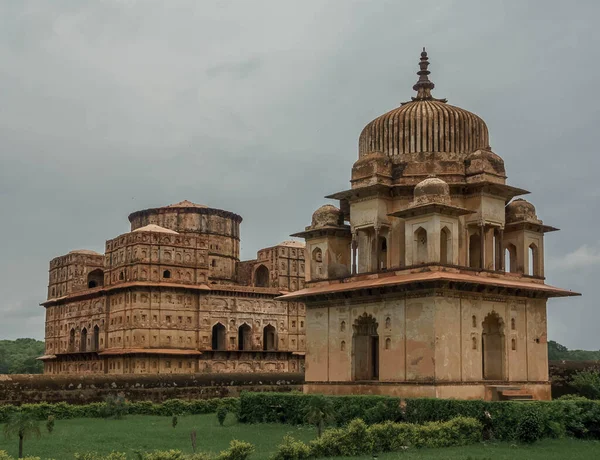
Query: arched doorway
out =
(261, 277)
(218, 337)
(244, 337)
(365, 349)
(269, 338)
(492, 347)
(510, 263)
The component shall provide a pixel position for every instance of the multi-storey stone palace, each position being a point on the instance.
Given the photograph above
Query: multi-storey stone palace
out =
(171, 296)
(436, 287)
(428, 280)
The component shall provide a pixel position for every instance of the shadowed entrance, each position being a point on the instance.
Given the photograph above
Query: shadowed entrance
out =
(365, 349)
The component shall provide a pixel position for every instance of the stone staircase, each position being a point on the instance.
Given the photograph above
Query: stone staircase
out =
(510, 393)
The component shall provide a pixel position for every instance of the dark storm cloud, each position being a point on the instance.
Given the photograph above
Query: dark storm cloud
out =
(112, 106)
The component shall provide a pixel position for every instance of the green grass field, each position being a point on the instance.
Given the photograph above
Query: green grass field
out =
(156, 433)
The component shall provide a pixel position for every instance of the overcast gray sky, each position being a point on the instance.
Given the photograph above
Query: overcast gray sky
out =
(107, 107)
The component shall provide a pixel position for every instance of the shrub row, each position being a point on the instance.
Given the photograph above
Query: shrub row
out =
(291, 408)
(578, 418)
(238, 450)
(41, 411)
(358, 438)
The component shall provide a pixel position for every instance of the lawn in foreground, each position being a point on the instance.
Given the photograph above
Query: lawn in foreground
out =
(146, 433)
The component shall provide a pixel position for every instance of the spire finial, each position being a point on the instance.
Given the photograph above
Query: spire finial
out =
(424, 86)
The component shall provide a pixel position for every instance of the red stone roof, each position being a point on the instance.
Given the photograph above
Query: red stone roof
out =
(433, 276)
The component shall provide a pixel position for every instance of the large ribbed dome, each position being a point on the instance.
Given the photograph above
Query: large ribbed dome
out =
(424, 125)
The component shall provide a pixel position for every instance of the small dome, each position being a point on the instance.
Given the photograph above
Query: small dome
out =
(484, 161)
(155, 228)
(326, 216)
(431, 190)
(520, 210)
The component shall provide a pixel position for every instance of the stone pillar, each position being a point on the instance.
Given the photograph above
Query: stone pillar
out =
(377, 252)
(500, 250)
(354, 251)
(482, 246)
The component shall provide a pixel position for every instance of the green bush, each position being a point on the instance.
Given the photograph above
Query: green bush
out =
(238, 450)
(587, 383)
(292, 408)
(50, 424)
(530, 427)
(62, 411)
(360, 439)
(221, 414)
(114, 407)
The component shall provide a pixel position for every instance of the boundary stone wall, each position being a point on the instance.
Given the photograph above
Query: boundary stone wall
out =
(83, 389)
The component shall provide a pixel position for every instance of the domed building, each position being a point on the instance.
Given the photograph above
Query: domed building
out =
(172, 296)
(429, 278)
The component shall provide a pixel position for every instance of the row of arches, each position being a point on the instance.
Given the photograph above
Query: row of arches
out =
(244, 338)
(365, 347)
(85, 344)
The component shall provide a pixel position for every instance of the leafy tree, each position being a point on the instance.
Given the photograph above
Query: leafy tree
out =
(22, 425)
(319, 412)
(587, 383)
(558, 352)
(19, 356)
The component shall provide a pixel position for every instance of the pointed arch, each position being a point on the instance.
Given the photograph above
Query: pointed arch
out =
(534, 262)
(245, 337)
(95, 278)
(269, 338)
(492, 347)
(261, 276)
(219, 337)
(96, 338)
(510, 261)
(72, 340)
(421, 253)
(445, 246)
(83, 340)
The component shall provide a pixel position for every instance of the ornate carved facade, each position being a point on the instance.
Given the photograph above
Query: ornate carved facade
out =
(436, 286)
(171, 296)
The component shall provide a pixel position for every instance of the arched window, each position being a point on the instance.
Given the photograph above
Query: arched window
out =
(510, 263)
(474, 343)
(445, 246)
(244, 337)
(513, 324)
(317, 255)
(388, 322)
(167, 274)
(388, 343)
(343, 346)
(261, 277)
(218, 337)
(96, 341)
(475, 251)
(474, 321)
(513, 344)
(72, 340)
(83, 341)
(121, 276)
(269, 338)
(534, 264)
(95, 278)
(343, 326)
(420, 244)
